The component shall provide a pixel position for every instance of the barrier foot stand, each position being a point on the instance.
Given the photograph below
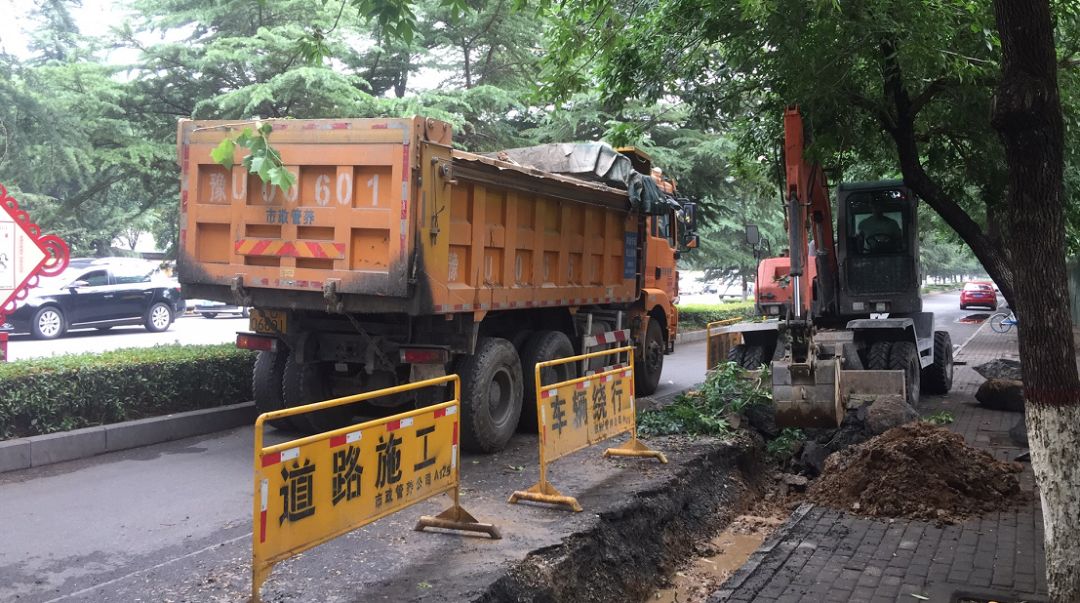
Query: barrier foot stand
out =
(258, 576)
(546, 493)
(457, 518)
(635, 448)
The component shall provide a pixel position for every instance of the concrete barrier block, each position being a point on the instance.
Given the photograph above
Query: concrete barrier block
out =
(66, 445)
(14, 454)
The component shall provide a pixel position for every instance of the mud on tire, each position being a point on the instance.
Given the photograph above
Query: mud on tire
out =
(904, 356)
(938, 377)
(877, 357)
(749, 357)
(542, 346)
(491, 394)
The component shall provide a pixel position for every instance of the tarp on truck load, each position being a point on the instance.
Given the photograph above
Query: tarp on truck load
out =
(593, 161)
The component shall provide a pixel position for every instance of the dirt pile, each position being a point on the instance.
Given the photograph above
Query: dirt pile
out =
(917, 471)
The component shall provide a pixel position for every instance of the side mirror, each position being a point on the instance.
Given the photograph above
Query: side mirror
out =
(753, 235)
(692, 241)
(77, 284)
(689, 216)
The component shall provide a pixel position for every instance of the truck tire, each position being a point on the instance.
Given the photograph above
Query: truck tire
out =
(904, 356)
(491, 392)
(877, 358)
(304, 383)
(650, 363)
(937, 378)
(749, 357)
(543, 346)
(266, 385)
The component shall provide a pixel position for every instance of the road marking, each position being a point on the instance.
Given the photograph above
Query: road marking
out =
(149, 569)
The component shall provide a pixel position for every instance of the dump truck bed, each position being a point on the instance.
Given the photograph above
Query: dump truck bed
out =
(386, 217)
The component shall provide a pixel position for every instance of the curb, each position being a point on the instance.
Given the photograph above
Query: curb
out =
(752, 563)
(692, 336)
(35, 451)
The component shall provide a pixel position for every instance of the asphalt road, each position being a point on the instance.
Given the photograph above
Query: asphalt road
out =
(102, 528)
(186, 329)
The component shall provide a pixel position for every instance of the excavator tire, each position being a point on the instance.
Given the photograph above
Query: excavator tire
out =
(736, 354)
(937, 378)
(750, 357)
(877, 358)
(904, 356)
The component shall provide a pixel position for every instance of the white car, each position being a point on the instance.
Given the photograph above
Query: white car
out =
(211, 309)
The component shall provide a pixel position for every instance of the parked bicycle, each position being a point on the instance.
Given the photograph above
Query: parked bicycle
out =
(1002, 322)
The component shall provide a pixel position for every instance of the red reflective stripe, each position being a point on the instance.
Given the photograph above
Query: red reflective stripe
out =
(262, 526)
(393, 425)
(455, 433)
(271, 459)
(440, 412)
(338, 440)
(260, 247)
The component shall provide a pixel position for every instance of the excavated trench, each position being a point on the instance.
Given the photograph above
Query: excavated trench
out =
(633, 549)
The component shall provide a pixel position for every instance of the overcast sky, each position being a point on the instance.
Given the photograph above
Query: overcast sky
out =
(94, 18)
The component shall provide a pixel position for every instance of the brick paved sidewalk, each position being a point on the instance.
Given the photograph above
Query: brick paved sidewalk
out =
(823, 554)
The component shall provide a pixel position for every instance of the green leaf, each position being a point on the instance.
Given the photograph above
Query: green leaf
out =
(245, 138)
(256, 165)
(281, 178)
(223, 153)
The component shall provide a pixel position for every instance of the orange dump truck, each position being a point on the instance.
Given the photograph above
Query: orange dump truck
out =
(395, 257)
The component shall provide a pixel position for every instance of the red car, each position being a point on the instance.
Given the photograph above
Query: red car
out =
(978, 293)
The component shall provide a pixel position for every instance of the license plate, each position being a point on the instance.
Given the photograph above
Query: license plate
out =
(271, 322)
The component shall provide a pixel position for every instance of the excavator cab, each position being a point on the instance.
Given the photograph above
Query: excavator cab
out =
(878, 249)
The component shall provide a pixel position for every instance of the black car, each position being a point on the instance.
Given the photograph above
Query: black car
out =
(99, 293)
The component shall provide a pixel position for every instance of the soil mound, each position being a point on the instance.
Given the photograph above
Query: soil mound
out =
(917, 471)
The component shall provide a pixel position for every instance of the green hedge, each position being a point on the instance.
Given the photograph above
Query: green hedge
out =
(696, 316)
(80, 390)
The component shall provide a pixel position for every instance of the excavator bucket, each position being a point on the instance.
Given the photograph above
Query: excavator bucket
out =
(819, 395)
(807, 395)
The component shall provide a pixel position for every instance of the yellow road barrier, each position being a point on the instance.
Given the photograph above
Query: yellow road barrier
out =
(720, 342)
(578, 413)
(313, 489)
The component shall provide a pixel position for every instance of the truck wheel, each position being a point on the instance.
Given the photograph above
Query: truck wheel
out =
(304, 383)
(904, 356)
(749, 357)
(491, 391)
(543, 346)
(937, 378)
(649, 364)
(266, 379)
(877, 359)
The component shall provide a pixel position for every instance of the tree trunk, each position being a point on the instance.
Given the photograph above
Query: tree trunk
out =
(1026, 113)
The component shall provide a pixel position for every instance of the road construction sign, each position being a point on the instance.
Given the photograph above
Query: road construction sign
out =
(24, 254)
(313, 489)
(578, 413)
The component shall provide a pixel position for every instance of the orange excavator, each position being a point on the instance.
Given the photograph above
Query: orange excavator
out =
(847, 320)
